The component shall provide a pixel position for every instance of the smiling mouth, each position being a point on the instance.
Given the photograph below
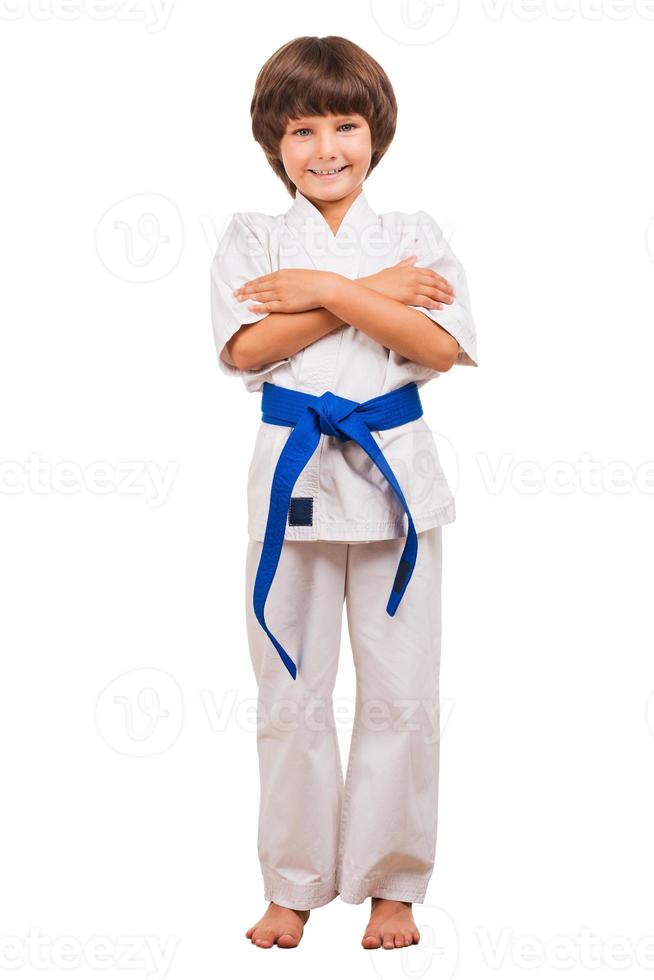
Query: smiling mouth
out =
(326, 173)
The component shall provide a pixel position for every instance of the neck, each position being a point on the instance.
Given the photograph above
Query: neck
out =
(334, 211)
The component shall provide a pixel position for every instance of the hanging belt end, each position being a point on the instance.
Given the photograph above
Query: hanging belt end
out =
(288, 663)
(402, 577)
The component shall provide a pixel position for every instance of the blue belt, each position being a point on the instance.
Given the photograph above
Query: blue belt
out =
(331, 415)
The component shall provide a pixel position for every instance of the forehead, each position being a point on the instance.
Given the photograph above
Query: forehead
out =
(327, 117)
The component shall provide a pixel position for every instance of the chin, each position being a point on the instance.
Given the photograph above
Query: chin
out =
(336, 189)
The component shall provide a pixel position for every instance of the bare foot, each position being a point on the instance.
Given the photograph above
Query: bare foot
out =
(278, 925)
(391, 925)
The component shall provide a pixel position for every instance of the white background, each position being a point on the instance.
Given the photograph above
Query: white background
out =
(130, 777)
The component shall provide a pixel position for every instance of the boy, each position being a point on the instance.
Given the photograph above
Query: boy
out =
(338, 315)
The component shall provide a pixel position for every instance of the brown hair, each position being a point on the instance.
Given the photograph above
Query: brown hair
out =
(318, 75)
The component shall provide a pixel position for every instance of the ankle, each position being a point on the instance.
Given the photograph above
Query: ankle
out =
(287, 908)
(375, 900)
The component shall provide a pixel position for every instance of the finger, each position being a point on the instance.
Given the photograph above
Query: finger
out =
(260, 295)
(435, 292)
(272, 307)
(427, 302)
(253, 284)
(436, 296)
(438, 282)
(428, 276)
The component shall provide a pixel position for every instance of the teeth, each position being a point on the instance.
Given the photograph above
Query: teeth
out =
(337, 171)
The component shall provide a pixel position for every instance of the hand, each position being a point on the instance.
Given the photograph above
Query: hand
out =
(411, 285)
(285, 291)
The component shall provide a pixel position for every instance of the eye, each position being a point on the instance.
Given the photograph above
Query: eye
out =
(305, 129)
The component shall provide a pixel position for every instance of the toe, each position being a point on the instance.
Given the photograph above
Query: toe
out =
(416, 936)
(408, 939)
(264, 938)
(399, 940)
(388, 942)
(287, 939)
(371, 940)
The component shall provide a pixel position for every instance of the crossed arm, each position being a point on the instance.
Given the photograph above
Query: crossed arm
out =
(305, 304)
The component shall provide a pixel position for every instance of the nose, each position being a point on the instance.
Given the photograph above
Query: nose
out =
(326, 145)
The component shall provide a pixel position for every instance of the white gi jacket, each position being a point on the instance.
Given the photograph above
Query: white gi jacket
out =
(341, 495)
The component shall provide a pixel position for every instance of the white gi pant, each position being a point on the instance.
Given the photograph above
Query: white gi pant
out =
(375, 834)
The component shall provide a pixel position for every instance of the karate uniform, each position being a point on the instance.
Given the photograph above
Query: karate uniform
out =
(344, 536)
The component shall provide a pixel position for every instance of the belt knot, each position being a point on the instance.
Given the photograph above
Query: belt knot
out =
(332, 409)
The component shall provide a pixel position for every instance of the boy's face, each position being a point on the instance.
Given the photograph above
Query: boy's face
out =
(319, 143)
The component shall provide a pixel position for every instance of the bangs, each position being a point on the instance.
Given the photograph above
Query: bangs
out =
(319, 93)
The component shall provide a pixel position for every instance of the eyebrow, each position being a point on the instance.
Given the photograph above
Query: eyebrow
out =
(295, 122)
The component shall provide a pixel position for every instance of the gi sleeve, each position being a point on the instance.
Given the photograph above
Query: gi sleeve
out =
(242, 254)
(434, 253)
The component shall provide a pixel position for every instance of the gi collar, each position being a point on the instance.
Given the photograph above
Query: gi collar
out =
(358, 216)
(352, 242)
